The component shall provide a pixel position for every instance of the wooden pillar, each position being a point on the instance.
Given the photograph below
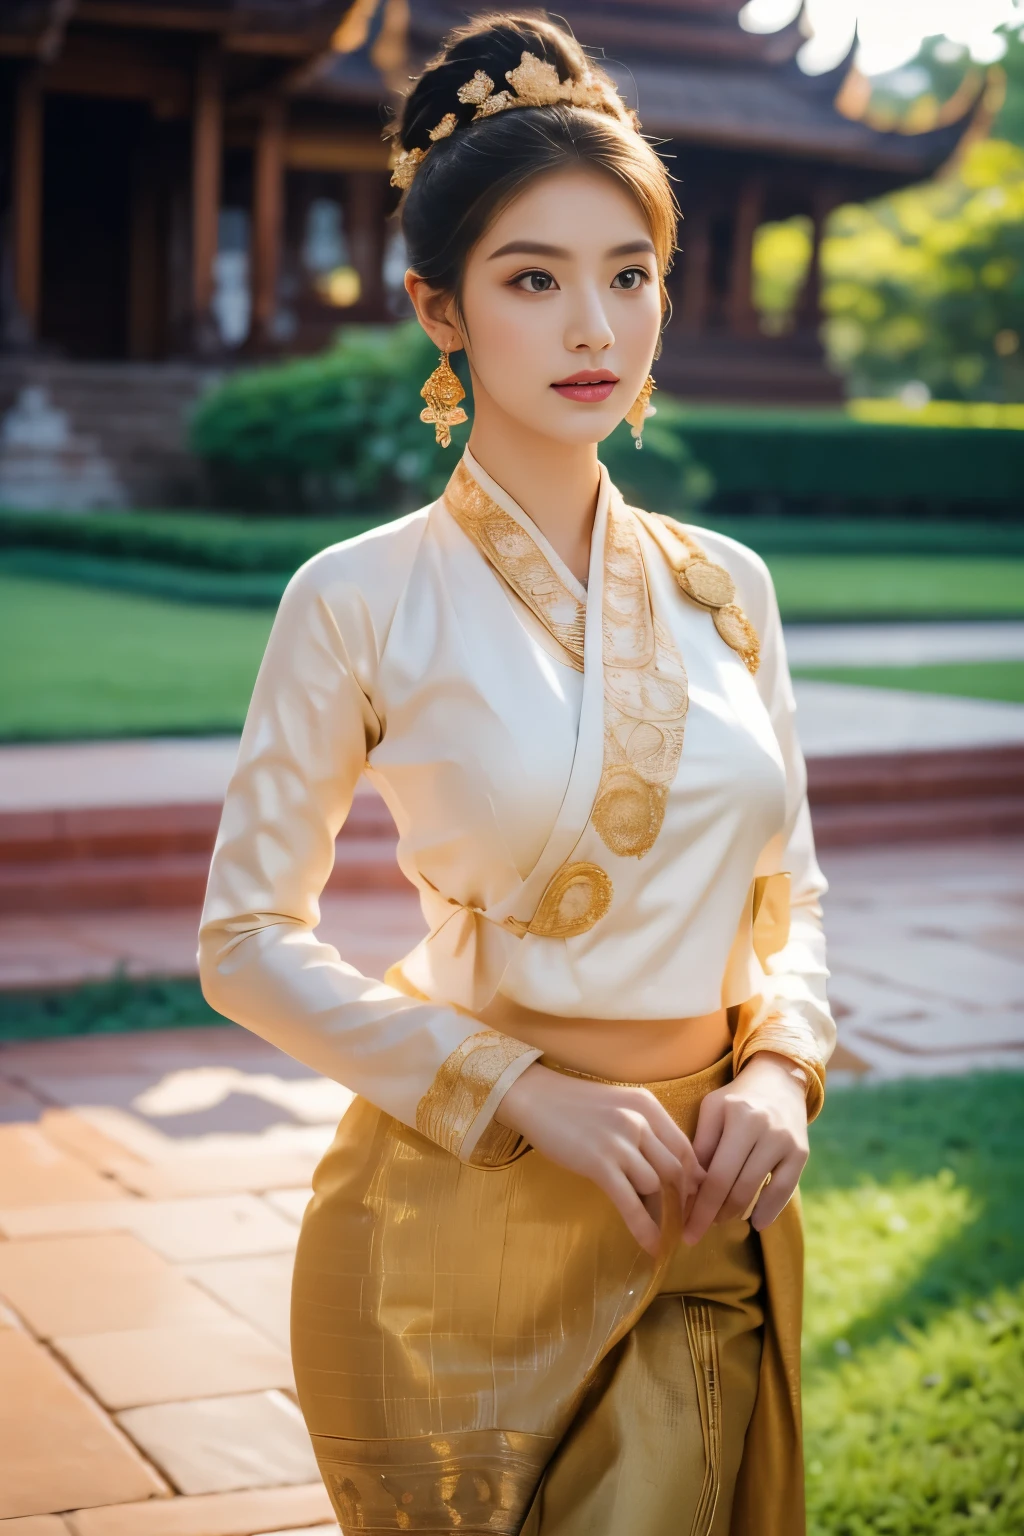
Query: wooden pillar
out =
(742, 317)
(696, 269)
(207, 138)
(267, 218)
(27, 201)
(808, 308)
(365, 221)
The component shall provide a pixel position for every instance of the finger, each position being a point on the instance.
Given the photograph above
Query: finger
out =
(640, 1171)
(685, 1180)
(748, 1182)
(676, 1140)
(777, 1196)
(630, 1207)
(710, 1125)
(732, 1153)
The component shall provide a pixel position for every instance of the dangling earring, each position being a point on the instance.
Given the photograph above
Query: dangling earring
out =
(641, 409)
(442, 392)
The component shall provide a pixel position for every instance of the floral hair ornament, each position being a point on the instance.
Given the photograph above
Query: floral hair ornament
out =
(536, 84)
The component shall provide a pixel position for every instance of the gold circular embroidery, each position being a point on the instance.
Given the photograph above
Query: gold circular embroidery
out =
(707, 583)
(628, 812)
(738, 632)
(577, 896)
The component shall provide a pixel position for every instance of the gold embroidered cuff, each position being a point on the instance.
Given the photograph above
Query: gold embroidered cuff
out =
(774, 1032)
(457, 1110)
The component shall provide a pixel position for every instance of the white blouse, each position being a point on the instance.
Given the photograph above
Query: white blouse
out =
(592, 793)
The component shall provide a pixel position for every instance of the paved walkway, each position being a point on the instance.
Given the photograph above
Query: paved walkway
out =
(903, 645)
(835, 719)
(151, 1188)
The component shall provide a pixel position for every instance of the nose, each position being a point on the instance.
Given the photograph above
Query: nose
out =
(588, 328)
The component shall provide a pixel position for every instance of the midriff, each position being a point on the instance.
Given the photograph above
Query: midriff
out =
(625, 1050)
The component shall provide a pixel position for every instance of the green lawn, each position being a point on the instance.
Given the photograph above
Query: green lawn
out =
(79, 661)
(914, 1336)
(969, 679)
(87, 661)
(897, 586)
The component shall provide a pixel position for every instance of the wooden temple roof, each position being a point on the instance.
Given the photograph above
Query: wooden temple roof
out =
(694, 76)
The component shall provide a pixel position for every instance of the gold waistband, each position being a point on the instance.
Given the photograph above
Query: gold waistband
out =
(675, 1093)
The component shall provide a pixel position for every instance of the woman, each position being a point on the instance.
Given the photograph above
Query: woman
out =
(550, 1278)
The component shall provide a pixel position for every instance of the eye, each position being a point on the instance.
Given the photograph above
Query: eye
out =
(631, 278)
(534, 282)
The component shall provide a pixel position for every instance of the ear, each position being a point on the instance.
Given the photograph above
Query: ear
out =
(435, 311)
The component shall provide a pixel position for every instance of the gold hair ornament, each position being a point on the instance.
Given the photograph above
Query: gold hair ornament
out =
(442, 392)
(535, 83)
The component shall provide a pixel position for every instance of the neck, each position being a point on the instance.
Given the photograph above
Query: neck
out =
(555, 483)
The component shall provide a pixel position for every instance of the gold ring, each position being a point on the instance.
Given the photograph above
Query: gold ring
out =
(761, 1189)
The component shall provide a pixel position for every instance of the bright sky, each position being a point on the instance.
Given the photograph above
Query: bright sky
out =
(890, 31)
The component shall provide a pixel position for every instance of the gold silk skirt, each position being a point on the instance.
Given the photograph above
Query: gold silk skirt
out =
(482, 1350)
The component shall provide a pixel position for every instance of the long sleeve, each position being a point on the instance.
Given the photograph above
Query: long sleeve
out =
(314, 716)
(796, 1021)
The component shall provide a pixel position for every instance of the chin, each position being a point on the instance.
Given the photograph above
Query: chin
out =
(591, 428)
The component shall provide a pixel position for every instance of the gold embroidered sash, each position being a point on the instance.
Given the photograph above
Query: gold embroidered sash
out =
(645, 689)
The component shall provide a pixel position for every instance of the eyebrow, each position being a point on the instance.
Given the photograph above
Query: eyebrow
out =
(539, 248)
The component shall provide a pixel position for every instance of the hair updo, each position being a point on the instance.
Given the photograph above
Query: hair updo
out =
(468, 177)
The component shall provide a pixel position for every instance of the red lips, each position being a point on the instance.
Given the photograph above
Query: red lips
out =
(588, 376)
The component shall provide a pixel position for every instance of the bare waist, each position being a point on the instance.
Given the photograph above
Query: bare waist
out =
(622, 1050)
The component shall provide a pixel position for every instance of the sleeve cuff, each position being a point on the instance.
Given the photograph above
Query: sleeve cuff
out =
(774, 1031)
(457, 1111)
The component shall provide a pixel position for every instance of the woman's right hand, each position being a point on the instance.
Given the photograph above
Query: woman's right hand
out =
(621, 1138)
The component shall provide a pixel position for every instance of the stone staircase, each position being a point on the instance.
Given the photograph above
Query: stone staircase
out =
(157, 856)
(133, 414)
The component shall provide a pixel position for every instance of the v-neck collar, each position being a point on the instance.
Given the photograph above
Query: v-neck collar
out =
(508, 504)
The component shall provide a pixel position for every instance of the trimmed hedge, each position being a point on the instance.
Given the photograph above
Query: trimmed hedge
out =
(213, 541)
(771, 460)
(342, 431)
(222, 557)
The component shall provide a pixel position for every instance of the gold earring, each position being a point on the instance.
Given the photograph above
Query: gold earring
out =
(641, 409)
(442, 392)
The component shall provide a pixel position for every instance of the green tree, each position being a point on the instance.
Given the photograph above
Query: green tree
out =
(928, 284)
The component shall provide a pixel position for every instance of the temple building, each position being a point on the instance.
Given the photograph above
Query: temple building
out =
(191, 181)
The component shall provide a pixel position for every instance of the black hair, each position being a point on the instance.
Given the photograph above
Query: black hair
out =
(469, 176)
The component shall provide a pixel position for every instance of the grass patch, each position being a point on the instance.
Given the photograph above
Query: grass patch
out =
(897, 587)
(87, 663)
(107, 1007)
(1002, 680)
(914, 1337)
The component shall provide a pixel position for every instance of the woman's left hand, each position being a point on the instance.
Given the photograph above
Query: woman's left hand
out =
(754, 1125)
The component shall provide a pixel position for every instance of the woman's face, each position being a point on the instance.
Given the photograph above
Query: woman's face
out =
(561, 307)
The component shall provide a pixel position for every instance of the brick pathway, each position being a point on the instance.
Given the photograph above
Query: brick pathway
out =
(151, 1187)
(150, 1192)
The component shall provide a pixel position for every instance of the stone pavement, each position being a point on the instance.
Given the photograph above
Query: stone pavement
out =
(904, 645)
(150, 1194)
(834, 719)
(151, 1187)
(926, 951)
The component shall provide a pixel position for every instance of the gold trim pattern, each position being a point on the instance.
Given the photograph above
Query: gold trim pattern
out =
(646, 699)
(769, 914)
(512, 552)
(779, 1034)
(706, 583)
(645, 686)
(575, 898)
(462, 1085)
(700, 1328)
(472, 1480)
